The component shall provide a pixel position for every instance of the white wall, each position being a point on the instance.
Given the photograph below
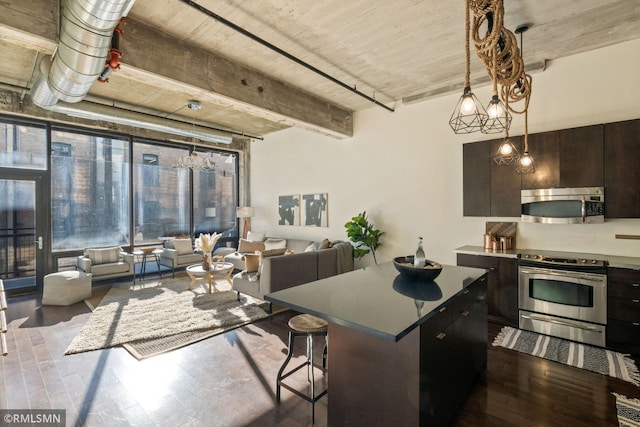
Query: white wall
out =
(405, 168)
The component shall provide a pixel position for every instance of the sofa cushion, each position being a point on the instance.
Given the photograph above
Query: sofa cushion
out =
(256, 236)
(109, 268)
(275, 244)
(245, 246)
(103, 255)
(325, 244)
(182, 246)
(311, 248)
(251, 263)
(297, 245)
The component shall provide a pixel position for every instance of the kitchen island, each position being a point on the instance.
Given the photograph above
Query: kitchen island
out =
(400, 352)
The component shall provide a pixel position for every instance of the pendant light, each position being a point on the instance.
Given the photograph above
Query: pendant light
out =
(469, 115)
(526, 164)
(498, 117)
(507, 153)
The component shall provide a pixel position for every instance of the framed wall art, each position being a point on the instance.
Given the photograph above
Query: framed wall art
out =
(289, 210)
(314, 210)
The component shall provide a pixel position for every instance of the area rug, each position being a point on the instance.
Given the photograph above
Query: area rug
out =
(570, 353)
(628, 411)
(164, 315)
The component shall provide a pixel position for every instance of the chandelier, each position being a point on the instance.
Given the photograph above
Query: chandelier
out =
(196, 161)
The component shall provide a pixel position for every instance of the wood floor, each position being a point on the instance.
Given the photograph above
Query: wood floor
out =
(228, 380)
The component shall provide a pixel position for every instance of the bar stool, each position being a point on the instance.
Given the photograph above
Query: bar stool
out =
(309, 326)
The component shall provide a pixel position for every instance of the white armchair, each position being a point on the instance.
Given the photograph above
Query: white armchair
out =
(179, 253)
(106, 263)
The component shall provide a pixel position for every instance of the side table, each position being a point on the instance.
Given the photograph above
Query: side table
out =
(144, 257)
(218, 270)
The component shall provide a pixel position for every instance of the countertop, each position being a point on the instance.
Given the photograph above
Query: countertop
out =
(377, 300)
(612, 260)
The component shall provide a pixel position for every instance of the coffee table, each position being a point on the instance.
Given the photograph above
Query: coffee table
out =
(218, 270)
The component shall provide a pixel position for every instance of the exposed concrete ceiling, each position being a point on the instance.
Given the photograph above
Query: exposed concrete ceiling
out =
(393, 51)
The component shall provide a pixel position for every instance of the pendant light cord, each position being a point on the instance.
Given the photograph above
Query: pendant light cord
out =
(467, 49)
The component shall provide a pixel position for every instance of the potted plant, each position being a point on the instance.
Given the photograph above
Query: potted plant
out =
(365, 236)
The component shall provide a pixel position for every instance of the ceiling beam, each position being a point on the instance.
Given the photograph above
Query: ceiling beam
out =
(150, 55)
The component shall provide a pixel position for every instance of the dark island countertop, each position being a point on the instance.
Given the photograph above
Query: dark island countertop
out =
(377, 300)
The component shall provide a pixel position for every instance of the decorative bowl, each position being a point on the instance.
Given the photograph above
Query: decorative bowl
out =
(148, 250)
(404, 265)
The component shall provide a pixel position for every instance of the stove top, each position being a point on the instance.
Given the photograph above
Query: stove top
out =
(551, 260)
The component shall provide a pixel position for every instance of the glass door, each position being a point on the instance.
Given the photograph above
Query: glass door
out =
(22, 241)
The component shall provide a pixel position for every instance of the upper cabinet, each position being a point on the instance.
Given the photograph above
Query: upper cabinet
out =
(621, 171)
(567, 158)
(581, 152)
(489, 189)
(591, 156)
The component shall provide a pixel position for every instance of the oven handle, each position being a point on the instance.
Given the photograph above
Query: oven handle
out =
(597, 277)
(560, 322)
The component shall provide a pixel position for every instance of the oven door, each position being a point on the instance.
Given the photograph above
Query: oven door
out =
(568, 294)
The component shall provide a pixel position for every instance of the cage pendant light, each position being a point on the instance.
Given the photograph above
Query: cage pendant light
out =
(526, 164)
(507, 153)
(498, 117)
(469, 115)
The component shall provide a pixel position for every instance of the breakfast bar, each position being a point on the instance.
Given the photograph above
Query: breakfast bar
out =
(401, 352)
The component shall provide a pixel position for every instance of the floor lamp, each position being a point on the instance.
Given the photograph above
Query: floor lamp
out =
(245, 212)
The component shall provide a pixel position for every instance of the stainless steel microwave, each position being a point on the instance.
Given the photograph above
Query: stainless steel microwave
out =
(584, 205)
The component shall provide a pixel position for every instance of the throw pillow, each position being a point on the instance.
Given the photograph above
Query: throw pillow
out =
(275, 244)
(272, 252)
(311, 248)
(256, 236)
(103, 255)
(251, 263)
(245, 246)
(324, 244)
(183, 246)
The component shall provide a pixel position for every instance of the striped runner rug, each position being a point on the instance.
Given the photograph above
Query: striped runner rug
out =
(628, 411)
(595, 359)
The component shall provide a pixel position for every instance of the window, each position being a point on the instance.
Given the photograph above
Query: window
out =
(160, 192)
(90, 190)
(215, 198)
(23, 146)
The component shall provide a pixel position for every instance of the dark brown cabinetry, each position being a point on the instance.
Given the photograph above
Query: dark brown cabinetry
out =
(489, 189)
(476, 180)
(623, 310)
(567, 158)
(502, 286)
(581, 153)
(621, 172)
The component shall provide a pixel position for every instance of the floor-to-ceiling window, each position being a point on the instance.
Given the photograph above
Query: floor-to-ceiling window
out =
(89, 190)
(105, 189)
(161, 193)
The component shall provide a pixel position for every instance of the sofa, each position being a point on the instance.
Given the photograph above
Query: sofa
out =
(106, 263)
(288, 263)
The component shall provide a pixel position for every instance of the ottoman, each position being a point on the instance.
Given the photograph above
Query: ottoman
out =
(66, 287)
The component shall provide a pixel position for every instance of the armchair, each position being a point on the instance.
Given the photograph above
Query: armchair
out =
(106, 263)
(179, 253)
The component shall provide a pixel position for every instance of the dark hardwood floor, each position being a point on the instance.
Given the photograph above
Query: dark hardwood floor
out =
(229, 380)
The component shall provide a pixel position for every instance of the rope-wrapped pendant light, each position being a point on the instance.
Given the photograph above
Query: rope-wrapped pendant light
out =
(507, 153)
(498, 117)
(469, 115)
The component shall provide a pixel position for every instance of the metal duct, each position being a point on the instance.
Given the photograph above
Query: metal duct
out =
(86, 30)
(145, 121)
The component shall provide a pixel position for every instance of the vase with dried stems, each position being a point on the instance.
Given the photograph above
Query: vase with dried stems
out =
(205, 244)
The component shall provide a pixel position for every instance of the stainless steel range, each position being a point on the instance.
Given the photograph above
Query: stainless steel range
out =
(563, 296)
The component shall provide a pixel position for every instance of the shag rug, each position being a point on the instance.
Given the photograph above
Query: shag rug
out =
(570, 353)
(164, 315)
(628, 411)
